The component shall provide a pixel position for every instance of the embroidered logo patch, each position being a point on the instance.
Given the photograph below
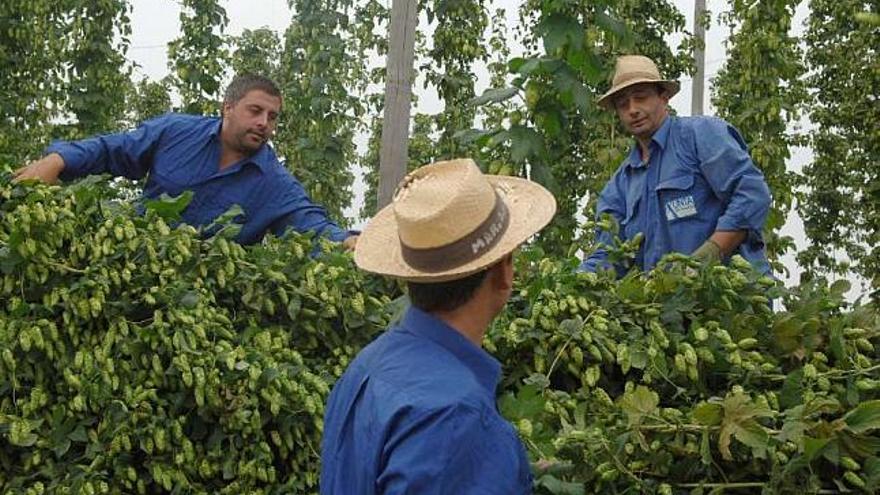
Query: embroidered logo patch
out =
(680, 208)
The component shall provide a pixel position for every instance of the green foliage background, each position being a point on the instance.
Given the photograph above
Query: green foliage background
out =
(139, 358)
(136, 357)
(65, 74)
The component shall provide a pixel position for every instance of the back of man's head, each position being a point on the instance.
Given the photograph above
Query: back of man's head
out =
(445, 296)
(245, 83)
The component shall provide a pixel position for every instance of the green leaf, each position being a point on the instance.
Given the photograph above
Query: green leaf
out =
(190, 300)
(612, 25)
(560, 30)
(792, 393)
(754, 435)
(871, 470)
(794, 427)
(814, 446)
(836, 344)
(542, 174)
(169, 208)
(494, 95)
(516, 63)
(865, 417)
(739, 423)
(840, 287)
(468, 136)
(538, 380)
(228, 224)
(527, 403)
(559, 487)
(708, 414)
(525, 143)
(79, 435)
(787, 332)
(642, 401)
(526, 66)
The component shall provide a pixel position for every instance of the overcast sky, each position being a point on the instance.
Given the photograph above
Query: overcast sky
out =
(156, 22)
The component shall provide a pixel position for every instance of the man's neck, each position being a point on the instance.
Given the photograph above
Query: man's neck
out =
(229, 157)
(645, 148)
(471, 323)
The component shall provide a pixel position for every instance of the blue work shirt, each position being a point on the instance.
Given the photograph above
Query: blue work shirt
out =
(699, 179)
(182, 152)
(415, 413)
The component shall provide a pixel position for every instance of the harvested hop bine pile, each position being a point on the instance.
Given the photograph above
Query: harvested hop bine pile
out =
(139, 358)
(684, 381)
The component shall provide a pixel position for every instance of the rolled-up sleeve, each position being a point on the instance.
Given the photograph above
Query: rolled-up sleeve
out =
(125, 154)
(296, 210)
(726, 165)
(611, 201)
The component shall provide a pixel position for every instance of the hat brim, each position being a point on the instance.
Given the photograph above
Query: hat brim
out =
(531, 207)
(606, 101)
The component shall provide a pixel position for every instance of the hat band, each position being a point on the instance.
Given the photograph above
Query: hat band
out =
(464, 250)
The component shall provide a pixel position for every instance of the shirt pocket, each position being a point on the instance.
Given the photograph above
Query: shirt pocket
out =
(681, 199)
(687, 212)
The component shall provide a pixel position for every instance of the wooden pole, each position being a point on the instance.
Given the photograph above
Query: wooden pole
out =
(699, 58)
(393, 154)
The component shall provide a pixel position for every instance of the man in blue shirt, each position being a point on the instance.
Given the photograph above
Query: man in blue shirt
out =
(415, 411)
(224, 160)
(688, 183)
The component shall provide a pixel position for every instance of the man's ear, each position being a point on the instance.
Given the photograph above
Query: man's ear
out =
(502, 273)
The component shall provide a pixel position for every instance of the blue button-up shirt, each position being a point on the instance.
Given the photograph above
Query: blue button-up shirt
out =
(182, 152)
(699, 179)
(415, 413)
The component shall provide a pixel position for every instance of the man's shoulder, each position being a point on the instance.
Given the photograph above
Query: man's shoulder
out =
(697, 125)
(184, 118)
(182, 124)
(414, 367)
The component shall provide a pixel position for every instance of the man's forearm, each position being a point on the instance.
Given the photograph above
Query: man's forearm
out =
(728, 240)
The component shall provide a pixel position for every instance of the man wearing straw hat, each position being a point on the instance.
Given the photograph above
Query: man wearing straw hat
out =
(688, 184)
(415, 411)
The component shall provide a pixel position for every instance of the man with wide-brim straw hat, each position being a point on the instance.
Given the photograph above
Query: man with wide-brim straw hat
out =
(688, 184)
(636, 69)
(415, 411)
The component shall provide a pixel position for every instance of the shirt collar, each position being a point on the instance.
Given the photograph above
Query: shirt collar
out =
(262, 158)
(660, 137)
(485, 368)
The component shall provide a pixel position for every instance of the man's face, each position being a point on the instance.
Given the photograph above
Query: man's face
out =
(250, 122)
(641, 109)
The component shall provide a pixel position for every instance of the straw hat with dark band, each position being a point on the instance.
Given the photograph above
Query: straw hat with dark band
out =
(448, 220)
(635, 69)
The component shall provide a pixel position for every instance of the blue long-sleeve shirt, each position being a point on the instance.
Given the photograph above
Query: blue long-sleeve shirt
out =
(699, 179)
(179, 152)
(415, 413)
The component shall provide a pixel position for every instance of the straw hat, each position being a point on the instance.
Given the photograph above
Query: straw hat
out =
(635, 69)
(448, 220)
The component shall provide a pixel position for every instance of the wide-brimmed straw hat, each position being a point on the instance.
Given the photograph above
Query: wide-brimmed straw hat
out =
(448, 220)
(635, 69)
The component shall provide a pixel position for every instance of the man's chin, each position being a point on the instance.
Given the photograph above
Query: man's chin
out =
(251, 145)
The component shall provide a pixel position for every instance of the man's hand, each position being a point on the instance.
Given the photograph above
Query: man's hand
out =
(350, 242)
(710, 251)
(46, 169)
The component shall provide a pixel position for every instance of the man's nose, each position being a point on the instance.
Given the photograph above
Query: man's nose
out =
(628, 106)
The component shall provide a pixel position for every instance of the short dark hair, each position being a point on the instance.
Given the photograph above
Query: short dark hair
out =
(445, 296)
(243, 84)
